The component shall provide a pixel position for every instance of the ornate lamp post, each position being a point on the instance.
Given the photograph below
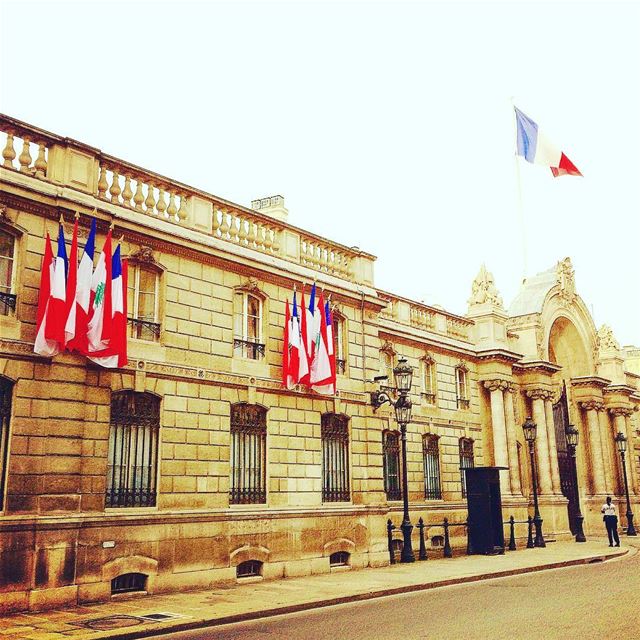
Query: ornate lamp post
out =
(621, 443)
(403, 374)
(572, 435)
(530, 428)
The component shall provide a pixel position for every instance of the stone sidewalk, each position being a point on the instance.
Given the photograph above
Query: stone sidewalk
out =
(129, 618)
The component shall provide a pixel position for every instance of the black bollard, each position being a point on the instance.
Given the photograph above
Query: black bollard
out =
(530, 534)
(447, 547)
(467, 525)
(512, 534)
(390, 528)
(422, 555)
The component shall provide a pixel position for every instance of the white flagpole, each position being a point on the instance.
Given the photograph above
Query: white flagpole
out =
(523, 228)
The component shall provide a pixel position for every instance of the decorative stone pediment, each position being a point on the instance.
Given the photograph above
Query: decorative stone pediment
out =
(606, 341)
(144, 255)
(483, 290)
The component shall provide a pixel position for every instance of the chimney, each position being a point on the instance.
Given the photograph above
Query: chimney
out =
(272, 206)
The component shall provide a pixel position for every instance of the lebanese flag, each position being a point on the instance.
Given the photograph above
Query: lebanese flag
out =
(298, 366)
(42, 346)
(322, 377)
(536, 148)
(78, 320)
(56, 311)
(330, 388)
(115, 355)
(99, 327)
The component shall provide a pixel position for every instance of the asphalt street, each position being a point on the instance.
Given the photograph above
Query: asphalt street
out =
(600, 600)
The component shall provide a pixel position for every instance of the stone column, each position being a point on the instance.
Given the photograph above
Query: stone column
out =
(538, 396)
(620, 424)
(512, 446)
(608, 452)
(553, 448)
(498, 424)
(591, 409)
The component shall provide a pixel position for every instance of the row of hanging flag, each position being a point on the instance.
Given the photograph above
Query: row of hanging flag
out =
(82, 308)
(308, 355)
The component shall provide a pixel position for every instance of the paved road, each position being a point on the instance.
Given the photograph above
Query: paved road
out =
(599, 601)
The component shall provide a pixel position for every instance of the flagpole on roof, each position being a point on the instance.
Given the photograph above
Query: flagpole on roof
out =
(520, 206)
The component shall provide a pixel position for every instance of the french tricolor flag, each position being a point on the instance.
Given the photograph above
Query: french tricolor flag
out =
(536, 148)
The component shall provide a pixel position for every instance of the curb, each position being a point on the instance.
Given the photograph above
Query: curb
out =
(329, 602)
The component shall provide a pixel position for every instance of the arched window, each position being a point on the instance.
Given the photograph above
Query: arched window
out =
(248, 454)
(466, 461)
(128, 583)
(6, 390)
(142, 303)
(335, 457)
(7, 273)
(462, 387)
(339, 559)
(391, 466)
(431, 458)
(133, 450)
(249, 569)
(247, 326)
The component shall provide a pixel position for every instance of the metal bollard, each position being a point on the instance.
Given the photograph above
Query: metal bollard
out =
(512, 534)
(467, 525)
(530, 534)
(447, 547)
(390, 528)
(422, 554)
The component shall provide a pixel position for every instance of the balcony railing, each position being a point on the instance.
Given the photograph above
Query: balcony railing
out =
(463, 403)
(249, 348)
(341, 365)
(144, 329)
(7, 303)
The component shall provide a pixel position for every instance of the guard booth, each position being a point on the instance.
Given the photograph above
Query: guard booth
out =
(484, 505)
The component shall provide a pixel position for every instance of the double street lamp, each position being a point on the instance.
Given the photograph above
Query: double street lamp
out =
(530, 429)
(403, 374)
(621, 443)
(572, 435)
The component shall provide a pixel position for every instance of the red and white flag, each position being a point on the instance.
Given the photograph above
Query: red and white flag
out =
(297, 364)
(321, 378)
(77, 323)
(42, 345)
(330, 387)
(56, 310)
(99, 328)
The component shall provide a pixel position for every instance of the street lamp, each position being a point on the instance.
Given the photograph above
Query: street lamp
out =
(403, 374)
(529, 427)
(572, 435)
(621, 443)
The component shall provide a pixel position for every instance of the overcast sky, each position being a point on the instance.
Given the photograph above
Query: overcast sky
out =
(384, 125)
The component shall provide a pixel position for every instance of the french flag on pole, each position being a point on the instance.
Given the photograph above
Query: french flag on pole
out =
(536, 148)
(42, 345)
(56, 311)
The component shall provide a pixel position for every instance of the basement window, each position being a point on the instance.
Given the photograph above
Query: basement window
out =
(129, 583)
(339, 559)
(249, 569)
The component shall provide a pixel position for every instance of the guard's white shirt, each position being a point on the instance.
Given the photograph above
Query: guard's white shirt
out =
(609, 509)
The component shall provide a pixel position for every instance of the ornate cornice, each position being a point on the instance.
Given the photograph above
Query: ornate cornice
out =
(540, 394)
(590, 381)
(591, 405)
(621, 411)
(496, 384)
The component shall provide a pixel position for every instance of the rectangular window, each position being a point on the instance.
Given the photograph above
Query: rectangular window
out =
(462, 392)
(142, 303)
(6, 389)
(133, 450)
(338, 344)
(335, 458)
(247, 326)
(248, 454)
(466, 461)
(391, 466)
(429, 381)
(431, 456)
(7, 258)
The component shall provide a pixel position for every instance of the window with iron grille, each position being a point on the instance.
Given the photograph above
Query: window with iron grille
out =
(391, 466)
(339, 559)
(335, 457)
(431, 457)
(248, 454)
(133, 450)
(249, 568)
(7, 259)
(466, 461)
(6, 389)
(129, 582)
(142, 303)
(247, 326)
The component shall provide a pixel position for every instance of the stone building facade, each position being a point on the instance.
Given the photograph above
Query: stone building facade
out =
(192, 466)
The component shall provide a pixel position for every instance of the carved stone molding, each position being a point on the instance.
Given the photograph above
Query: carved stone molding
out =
(605, 340)
(387, 347)
(621, 411)
(144, 255)
(497, 384)
(427, 358)
(540, 394)
(565, 277)
(483, 289)
(592, 405)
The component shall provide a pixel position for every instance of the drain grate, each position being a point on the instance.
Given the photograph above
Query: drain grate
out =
(159, 617)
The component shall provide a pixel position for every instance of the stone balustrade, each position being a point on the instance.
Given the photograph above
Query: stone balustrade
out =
(423, 318)
(66, 162)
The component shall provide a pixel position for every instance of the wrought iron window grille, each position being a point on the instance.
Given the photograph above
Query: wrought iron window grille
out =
(144, 329)
(466, 461)
(128, 583)
(341, 365)
(339, 559)
(249, 569)
(7, 303)
(463, 403)
(431, 456)
(249, 348)
(429, 398)
(6, 390)
(391, 467)
(248, 454)
(335, 458)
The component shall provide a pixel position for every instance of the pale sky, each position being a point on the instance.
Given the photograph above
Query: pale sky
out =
(384, 125)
